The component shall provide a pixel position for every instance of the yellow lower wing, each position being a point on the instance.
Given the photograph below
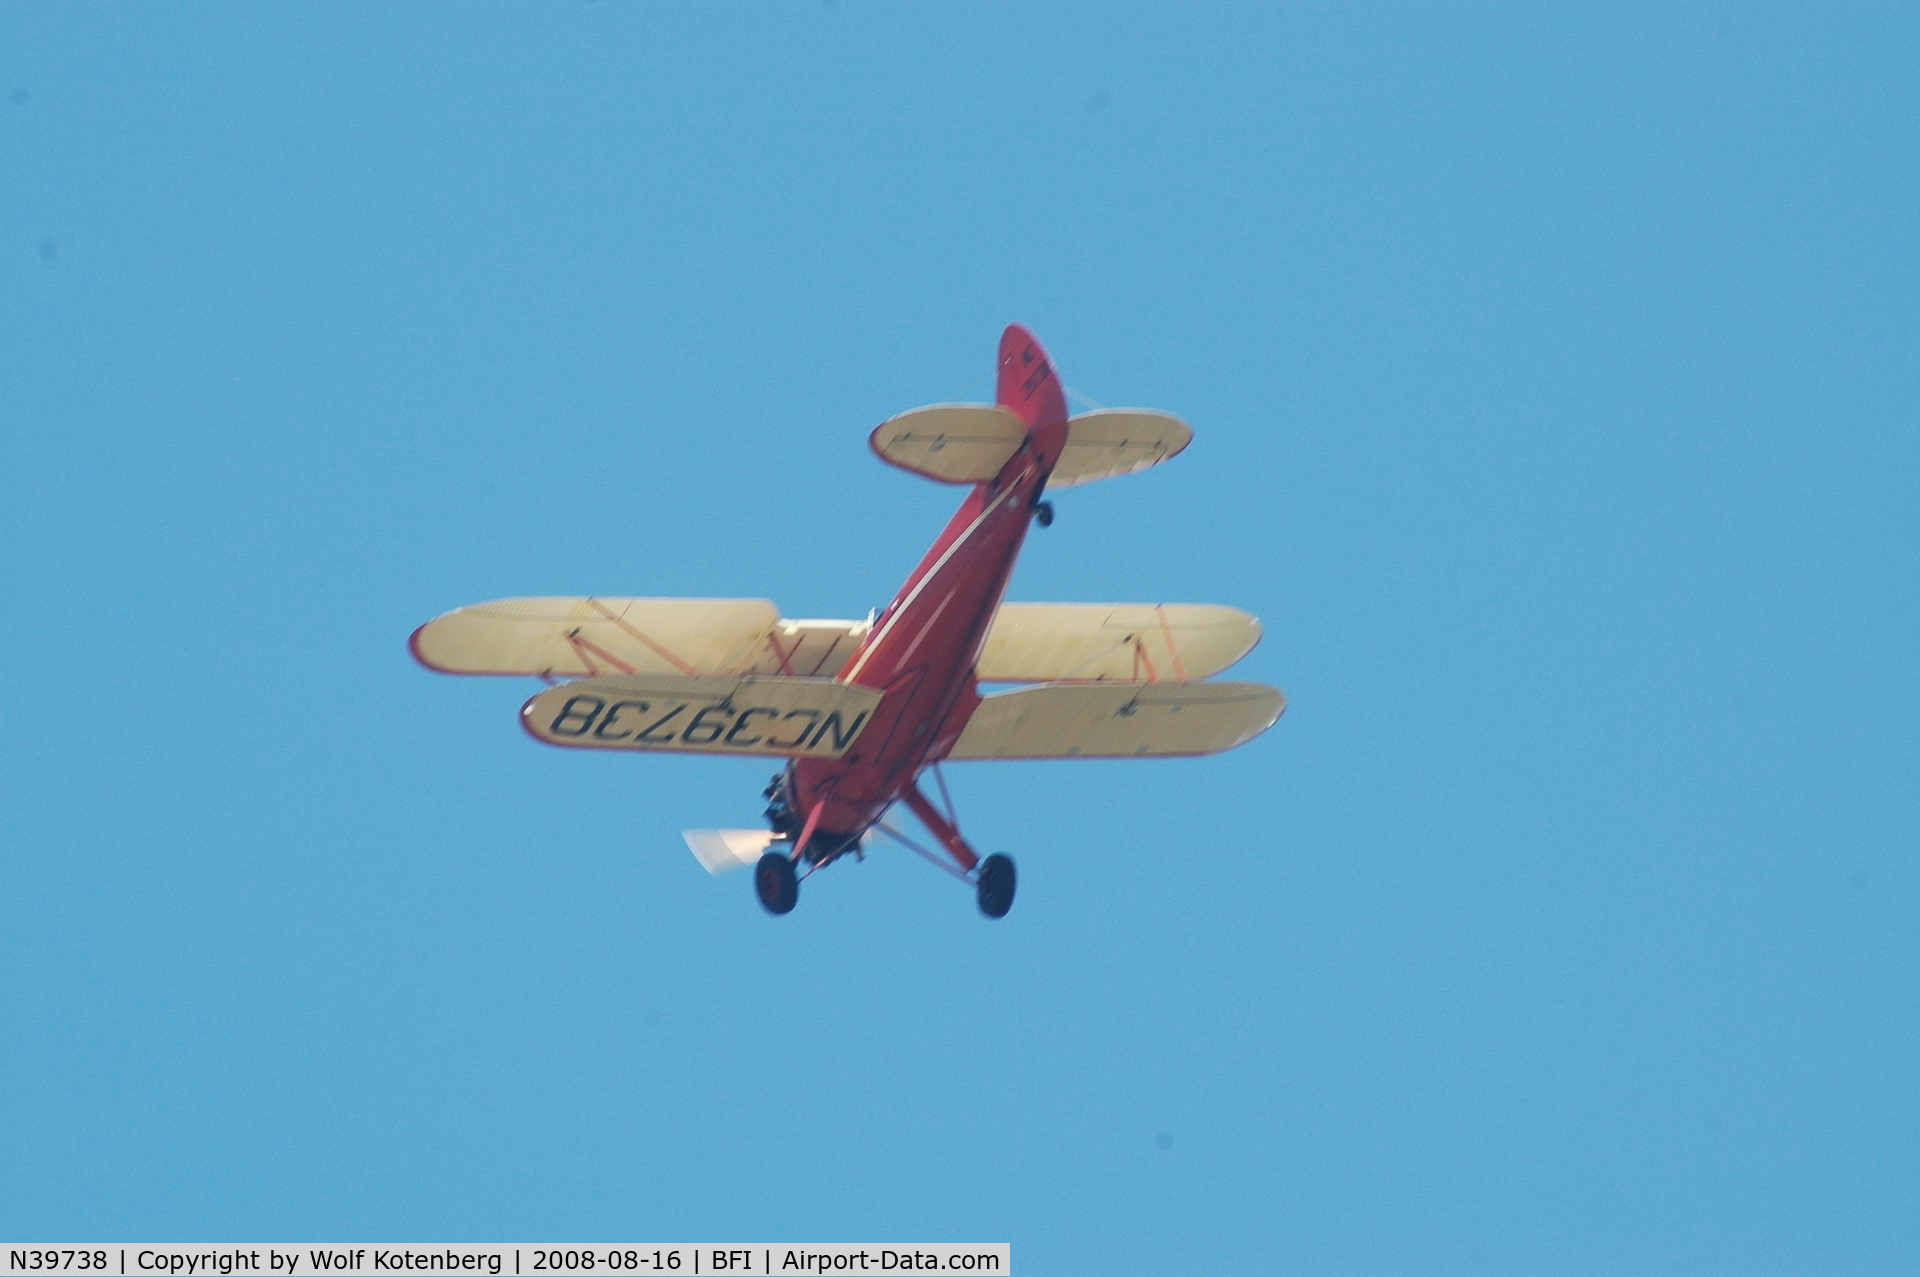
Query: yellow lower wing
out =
(768, 717)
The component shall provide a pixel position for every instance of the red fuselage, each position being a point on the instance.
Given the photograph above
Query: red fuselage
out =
(923, 650)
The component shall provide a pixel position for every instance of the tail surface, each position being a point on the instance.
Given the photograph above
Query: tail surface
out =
(1029, 387)
(970, 443)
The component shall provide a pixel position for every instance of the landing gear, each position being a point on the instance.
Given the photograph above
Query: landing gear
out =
(994, 886)
(1043, 513)
(779, 812)
(774, 883)
(992, 878)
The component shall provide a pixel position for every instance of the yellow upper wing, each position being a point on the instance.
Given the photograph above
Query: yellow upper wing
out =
(1107, 720)
(571, 637)
(1125, 642)
(574, 637)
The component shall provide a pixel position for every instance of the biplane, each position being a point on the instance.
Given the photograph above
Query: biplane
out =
(859, 712)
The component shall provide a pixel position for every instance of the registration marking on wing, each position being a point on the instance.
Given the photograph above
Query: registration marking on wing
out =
(783, 717)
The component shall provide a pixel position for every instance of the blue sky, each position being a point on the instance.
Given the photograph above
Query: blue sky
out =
(1553, 375)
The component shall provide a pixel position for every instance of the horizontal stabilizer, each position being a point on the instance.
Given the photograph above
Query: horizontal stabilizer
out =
(1102, 720)
(724, 850)
(1117, 441)
(1125, 642)
(765, 717)
(954, 443)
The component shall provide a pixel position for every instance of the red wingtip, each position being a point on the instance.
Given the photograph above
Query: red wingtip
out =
(413, 645)
(1029, 387)
(526, 719)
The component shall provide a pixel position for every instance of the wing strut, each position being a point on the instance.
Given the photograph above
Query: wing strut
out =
(946, 799)
(1179, 671)
(1139, 655)
(586, 651)
(941, 828)
(920, 851)
(620, 621)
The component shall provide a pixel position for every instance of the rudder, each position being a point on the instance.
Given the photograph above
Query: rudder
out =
(1029, 387)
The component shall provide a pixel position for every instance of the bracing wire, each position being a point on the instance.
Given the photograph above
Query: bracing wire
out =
(920, 851)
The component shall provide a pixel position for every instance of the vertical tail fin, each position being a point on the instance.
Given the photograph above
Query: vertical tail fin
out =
(1029, 388)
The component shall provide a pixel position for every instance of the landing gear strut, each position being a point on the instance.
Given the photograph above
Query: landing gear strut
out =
(779, 891)
(993, 878)
(995, 884)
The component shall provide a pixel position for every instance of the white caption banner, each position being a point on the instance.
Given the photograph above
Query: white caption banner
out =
(513, 1259)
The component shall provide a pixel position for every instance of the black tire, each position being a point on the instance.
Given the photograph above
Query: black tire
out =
(774, 883)
(1044, 512)
(995, 885)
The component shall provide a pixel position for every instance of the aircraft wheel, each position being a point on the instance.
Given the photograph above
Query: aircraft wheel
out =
(774, 883)
(995, 885)
(1044, 513)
